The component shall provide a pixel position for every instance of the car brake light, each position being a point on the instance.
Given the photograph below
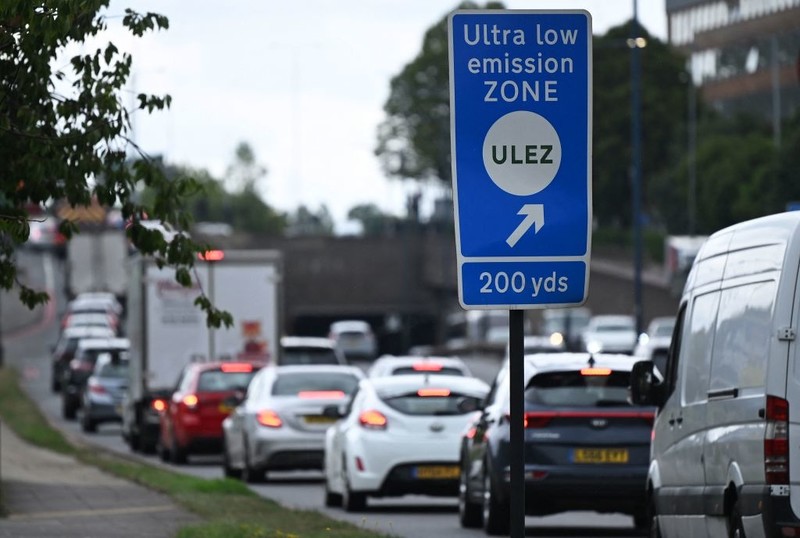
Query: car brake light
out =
(538, 420)
(373, 420)
(236, 368)
(442, 393)
(269, 418)
(595, 371)
(96, 388)
(776, 441)
(190, 401)
(427, 367)
(325, 394)
(158, 405)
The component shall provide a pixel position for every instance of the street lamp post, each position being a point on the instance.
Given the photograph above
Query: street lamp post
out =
(636, 42)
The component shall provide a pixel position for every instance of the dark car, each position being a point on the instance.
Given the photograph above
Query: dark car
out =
(81, 367)
(192, 420)
(64, 350)
(586, 446)
(103, 392)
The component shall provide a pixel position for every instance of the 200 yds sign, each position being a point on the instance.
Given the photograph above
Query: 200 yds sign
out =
(510, 283)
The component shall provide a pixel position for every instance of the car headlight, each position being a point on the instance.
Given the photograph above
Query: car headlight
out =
(594, 346)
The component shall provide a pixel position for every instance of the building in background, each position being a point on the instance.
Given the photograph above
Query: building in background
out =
(744, 54)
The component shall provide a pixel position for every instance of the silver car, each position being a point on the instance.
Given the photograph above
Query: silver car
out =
(102, 394)
(280, 424)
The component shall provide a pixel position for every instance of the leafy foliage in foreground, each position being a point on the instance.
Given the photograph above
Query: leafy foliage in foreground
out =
(64, 131)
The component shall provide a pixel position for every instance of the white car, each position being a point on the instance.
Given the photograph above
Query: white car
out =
(305, 350)
(280, 424)
(654, 344)
(610, 334)
(399, 435)
(388, 365)
(354, 338)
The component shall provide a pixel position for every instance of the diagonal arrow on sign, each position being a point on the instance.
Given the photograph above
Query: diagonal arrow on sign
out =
(534, 214)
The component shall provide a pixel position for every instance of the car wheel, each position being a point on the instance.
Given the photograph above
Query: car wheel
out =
(229, 471)
(496, 513)
(68, 409)
(177, 455)
(87, 424)
(332, 500)
(470, 513)
(352, 501)
(55, 386)
(250, 474)
(735, 526)
(162, 450)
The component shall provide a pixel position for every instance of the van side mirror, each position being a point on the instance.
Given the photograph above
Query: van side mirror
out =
(646, 387)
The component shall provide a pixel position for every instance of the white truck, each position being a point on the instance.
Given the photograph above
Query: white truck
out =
(96, 261)
(167, 330)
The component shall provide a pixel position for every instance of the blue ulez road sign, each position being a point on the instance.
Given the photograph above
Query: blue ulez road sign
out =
(520, 102)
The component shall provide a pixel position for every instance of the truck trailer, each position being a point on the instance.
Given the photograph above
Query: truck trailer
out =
(167, 330)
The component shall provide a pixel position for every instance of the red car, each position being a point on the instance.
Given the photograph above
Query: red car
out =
(191, 423)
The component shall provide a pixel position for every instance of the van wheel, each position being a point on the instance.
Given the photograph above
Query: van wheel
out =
(735, 527)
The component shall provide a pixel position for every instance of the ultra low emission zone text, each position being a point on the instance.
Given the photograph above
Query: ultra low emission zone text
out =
(511, 90)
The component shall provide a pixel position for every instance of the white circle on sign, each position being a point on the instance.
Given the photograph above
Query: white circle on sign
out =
(522, 153)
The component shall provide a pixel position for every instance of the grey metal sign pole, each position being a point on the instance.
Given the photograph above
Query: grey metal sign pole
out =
(517, 398)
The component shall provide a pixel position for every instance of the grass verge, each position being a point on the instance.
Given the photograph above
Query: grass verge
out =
(229, 509)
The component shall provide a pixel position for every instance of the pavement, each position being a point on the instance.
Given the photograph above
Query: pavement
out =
(49, 495)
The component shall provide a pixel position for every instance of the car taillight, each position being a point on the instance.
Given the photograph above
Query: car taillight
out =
(373, 420)
(269, 418)
(96, 388)
(776, 441)
(538, 420)
(158, 405)
(190, 401)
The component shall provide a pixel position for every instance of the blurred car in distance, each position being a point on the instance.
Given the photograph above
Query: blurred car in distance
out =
(191, 423)
(280, 425)
(304, 350)
(44, 234)
(654, 344)
(398, 436)
(610, 333)
(541, 344)
(91, 306)
(354, 338)
(91, 319)
(566, 323)
(101, 297)
(102, 394)
(64, 350)
(81, 367)
(586, 446)
(388, 365)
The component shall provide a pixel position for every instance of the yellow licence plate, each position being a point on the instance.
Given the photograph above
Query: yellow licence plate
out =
(225, 409)
(600, 455)
(434, 472)
(318, 419)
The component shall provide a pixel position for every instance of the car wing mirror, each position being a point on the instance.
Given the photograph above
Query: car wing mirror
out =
(468, 405)
(646, 387)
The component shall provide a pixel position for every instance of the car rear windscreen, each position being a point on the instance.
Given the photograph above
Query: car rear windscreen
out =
(431, 402)
(308, 355)
(219, 381)
(596, 387)
(292, 384)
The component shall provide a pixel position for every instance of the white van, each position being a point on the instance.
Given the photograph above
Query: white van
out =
(725, 456)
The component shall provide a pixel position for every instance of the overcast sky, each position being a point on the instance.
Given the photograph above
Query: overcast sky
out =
(303, 82)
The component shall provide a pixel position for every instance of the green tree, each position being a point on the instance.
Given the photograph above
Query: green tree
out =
(374, 222)
(64, 131)
(245, 208)
(414, 138)
(305, 222)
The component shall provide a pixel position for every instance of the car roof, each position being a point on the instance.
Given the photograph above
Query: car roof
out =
(555, 362)
(350, 325)
(394, 360)
(307, 341)
(612, 318)
(404, 383)
(88, 331)
(213, 365)
(318, 368)
(102, 343)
